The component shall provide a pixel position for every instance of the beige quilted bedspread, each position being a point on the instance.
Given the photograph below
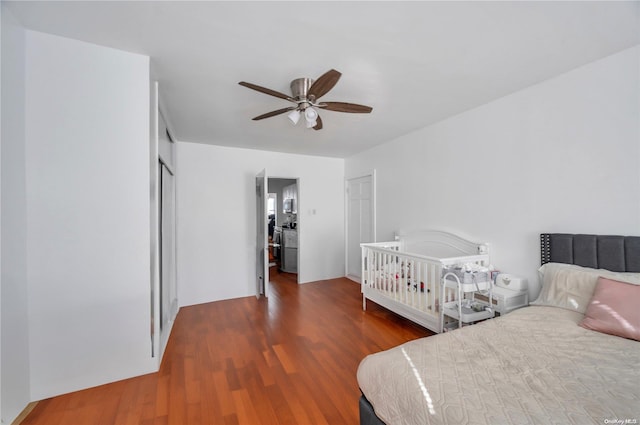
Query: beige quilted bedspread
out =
(532, 366)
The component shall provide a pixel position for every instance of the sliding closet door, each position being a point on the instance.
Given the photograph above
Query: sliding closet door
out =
(168, 287)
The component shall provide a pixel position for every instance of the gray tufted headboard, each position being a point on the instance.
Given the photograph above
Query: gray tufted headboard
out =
(615, 253)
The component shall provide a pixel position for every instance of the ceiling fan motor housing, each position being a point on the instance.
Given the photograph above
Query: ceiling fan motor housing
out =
(300, 88)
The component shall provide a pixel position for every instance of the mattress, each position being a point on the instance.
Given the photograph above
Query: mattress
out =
(532, 366)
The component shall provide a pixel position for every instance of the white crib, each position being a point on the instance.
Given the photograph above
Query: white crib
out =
(404, 275)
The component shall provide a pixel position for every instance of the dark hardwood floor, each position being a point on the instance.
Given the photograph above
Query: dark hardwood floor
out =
(291, 359)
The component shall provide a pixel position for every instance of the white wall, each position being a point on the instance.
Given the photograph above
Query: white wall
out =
(14, 333)
(87, 156)
(216, 218)
(561, 156)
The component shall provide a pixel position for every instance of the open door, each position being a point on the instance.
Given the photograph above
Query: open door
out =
(262, 242)
(167, 230)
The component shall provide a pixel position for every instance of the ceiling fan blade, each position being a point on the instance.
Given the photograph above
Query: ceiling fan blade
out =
(318, 125)
(323, 84)
(266, 91)
(274, 113)
(346, 107)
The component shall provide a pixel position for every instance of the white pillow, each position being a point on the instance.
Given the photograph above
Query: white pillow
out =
(571, 287)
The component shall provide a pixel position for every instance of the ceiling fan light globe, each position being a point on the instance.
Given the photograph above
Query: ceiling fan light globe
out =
(294, 116)
(311, 124)
(310, 114)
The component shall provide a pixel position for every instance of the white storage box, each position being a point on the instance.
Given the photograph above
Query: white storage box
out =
(509, 281)
(507, 300)
(509, 293)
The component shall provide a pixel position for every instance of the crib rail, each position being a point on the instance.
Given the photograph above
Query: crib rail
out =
(406, 283)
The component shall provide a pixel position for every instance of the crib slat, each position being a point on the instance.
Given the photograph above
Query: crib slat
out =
(417, 277)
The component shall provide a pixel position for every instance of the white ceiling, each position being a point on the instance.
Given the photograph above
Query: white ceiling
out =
(415, 63)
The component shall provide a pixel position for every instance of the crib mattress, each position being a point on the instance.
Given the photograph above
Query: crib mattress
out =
(534, 365)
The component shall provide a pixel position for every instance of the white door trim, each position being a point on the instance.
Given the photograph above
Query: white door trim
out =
(262, 245)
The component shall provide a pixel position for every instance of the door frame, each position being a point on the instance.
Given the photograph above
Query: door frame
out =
(299, 218)
(369, 173)
(262, 244)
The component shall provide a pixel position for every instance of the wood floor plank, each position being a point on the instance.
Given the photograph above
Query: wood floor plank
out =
(223, 394)
(245, 409)
(284, 359)
(288, 359)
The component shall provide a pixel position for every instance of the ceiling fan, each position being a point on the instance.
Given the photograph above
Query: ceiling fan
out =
(305, 93)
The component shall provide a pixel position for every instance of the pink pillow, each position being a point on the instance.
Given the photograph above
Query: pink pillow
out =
(614, 309)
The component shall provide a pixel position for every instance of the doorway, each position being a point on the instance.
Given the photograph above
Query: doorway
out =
(284, 227)
(360, 222)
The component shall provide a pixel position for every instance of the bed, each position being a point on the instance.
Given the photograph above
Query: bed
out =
(535, 365)
(404, 275)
